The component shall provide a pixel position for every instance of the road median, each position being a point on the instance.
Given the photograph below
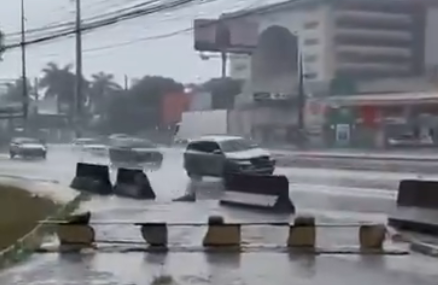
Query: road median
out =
(22, 205)
(360, 155)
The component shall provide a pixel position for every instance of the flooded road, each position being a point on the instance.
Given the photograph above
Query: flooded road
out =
(331, 195)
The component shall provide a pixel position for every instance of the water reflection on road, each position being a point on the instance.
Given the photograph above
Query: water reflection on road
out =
(331, 195)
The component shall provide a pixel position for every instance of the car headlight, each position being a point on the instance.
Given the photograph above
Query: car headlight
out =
(241, 162)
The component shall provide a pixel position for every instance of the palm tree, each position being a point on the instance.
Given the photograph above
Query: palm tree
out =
(102, 86)
(60, 83)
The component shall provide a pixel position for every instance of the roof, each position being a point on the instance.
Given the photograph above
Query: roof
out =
(269, 8)
(291, 4)
(412, 98)
(217, 138)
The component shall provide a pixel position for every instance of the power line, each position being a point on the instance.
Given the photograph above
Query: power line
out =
(100, 16)
(110, 21)
(135, 14)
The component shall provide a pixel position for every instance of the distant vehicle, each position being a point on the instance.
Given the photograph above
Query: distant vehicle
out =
(115, 137)
(410, 140)
(90, 145)
(27, 148)
(218, 156)
(195, 124)
(127, 151)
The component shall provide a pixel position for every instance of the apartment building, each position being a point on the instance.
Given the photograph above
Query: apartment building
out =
(354, 38)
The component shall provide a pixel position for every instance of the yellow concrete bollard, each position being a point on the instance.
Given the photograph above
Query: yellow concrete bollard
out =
(302, 234)
(220, 234)
(372, 236)
(75, 236)
(155, 234)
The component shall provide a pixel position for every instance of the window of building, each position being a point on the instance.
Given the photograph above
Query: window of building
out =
(310, 42)
(310, 58)
(310, 75)
(311, 25)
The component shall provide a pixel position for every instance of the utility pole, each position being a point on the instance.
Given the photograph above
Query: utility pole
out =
(224, 63)
(23, 67)
(301, 102)
(223, 40)
(78, 88)
(125, 83)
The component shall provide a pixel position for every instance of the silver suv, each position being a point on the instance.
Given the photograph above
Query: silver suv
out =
(218, 156)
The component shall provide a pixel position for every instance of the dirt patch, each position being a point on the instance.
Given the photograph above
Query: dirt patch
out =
(20, 212)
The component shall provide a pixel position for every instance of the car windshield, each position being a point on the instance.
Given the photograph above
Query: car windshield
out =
(237, 145)
(87, 141)
(133, 143)
(26, 140)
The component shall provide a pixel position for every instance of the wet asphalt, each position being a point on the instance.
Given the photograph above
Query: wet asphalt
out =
(331, 195)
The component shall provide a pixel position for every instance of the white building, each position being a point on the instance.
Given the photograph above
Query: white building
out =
(358, 38)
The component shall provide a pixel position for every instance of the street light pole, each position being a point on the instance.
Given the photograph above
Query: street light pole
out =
(78, 87)
(23, 66)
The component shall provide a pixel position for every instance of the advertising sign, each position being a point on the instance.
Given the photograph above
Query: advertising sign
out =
(229, 35)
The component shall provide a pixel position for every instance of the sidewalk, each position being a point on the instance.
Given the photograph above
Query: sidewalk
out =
(401, 155)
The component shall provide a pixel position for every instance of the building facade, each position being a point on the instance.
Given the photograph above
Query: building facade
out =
(362, 39)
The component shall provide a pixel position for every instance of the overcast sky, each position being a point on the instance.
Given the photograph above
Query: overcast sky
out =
(172, 56)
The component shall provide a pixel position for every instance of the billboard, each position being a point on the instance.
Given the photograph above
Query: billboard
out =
(229, 35)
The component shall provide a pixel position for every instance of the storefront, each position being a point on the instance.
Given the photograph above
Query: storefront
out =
(373, 121)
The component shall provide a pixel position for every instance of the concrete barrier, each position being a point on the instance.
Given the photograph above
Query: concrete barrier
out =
(417, 207)
(92, 178)
(133, 183)
(302, 234)
(76, 233)
(270, 192)
(221, 235)
(26, 243)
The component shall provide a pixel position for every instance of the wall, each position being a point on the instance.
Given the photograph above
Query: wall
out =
(173, 105)
(239, 66)
(299, 22)
(200, 101)
(431, 35)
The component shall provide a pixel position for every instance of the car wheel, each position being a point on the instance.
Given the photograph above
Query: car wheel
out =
(12, 155)
(194, 177)
(44, 156)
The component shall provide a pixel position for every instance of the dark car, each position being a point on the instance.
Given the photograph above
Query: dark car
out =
(27, 148)
(218, 156)
(133, 151)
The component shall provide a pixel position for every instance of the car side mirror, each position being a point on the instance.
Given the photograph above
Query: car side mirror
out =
(217, 151)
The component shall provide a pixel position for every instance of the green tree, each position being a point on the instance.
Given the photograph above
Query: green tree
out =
(102, 87)
(60, 83)
(139, 107)
(223, 91)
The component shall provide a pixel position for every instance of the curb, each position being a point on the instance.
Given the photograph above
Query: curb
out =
(365, 157)
(370, 157)
(424, 248)
(25, 246)
(415, 245)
